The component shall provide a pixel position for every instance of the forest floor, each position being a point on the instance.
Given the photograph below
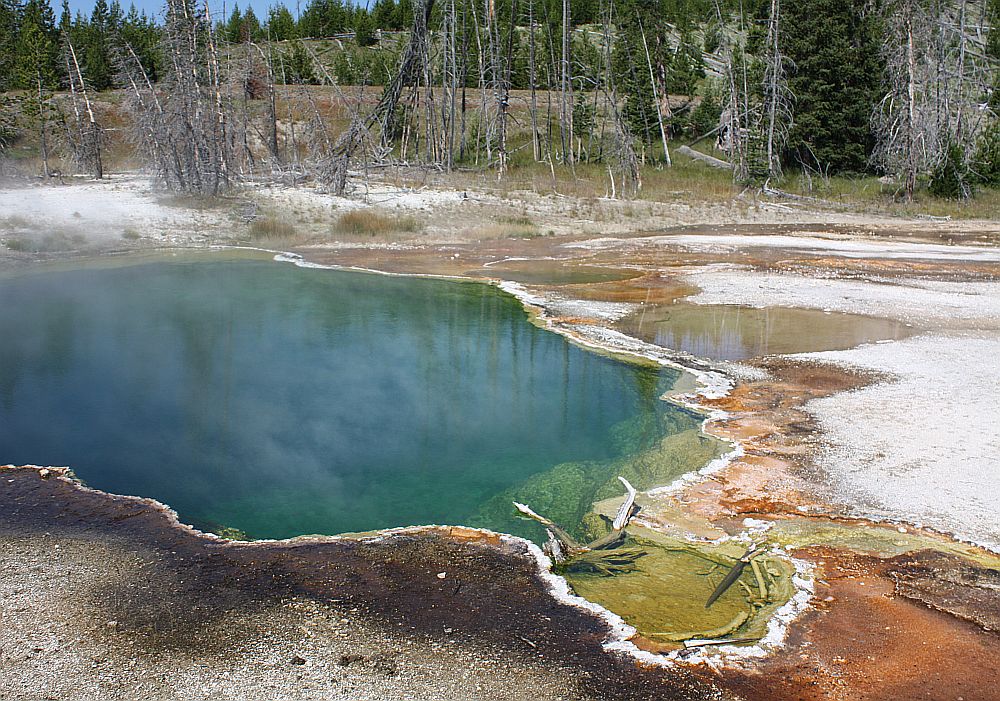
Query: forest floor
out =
(859, 450)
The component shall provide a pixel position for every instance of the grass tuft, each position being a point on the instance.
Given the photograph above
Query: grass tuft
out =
(268, 227)
(367, 222)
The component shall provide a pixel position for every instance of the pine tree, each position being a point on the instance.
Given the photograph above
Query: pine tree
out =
(364, 32)
(404, 14)
(687, 67)
(35, 55)
(298, 65)
(39, 51)
(640, 109)
(234, 25)
(96, 54)
(9, 20)
(384, 14)
(142, 36)
(250, 28)
(281, 24)
(834, 50)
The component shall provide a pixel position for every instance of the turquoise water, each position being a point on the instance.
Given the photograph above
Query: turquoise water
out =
(283, 401)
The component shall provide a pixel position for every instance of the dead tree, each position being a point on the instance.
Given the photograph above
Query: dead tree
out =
(900, 129)
(536, 147)
(656, 97)
(604, 556)
(623, 144)
(566, 86)
(87, 141)
(272, 113)
(732, 131)
(188, 137)
(777, 107)
(412, 66)
(937, 75)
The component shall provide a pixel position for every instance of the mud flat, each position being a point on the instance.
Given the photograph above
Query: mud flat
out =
(109, 597)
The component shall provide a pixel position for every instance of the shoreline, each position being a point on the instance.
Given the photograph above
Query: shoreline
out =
(759, 407)
(713, 384)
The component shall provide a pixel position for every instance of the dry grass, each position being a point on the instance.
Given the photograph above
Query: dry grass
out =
(368, 222)
(14, 222)
(51, 242)
(269, 227)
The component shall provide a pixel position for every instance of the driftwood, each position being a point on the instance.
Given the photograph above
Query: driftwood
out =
(605, 562)
(705, 158)
(722, 631)
(602, 556)
(703, 642)
(734, 574)
(772, 192)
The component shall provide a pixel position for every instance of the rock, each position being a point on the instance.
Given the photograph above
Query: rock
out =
(442, 575)
(385, 665)
(298, 659)
(44, 473)
(347, 660)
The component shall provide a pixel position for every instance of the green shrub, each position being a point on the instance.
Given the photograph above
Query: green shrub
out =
(986, 164)
(951, 179)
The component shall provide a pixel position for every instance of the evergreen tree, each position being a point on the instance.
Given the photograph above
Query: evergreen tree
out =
(36, 54)
(404, 14)
(986, 164)
(65, 19)
(9, 21)
(35, 71)
(364, 31)
(687, 67)
(234, 26)
(834, 50)
(250, 28)
(142, 35)
(633, 74)
(298, 66)
(384, 14)
(34, 45)
(281, 24)
(96, 54)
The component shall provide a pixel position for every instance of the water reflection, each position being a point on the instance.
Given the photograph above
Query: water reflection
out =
(726, 332)
(285, 401)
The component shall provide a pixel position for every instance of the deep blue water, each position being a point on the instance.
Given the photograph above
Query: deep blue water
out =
(284, 401)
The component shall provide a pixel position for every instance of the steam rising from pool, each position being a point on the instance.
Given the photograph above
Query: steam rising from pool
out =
(283, 401)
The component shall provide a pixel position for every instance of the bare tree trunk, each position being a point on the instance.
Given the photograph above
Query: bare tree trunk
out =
(732, 129)
(656, 98)
(911, 64)
(566, 106)
(536, 147)
(94, 130)
(272, 114)
(624, 151)
(505, 83)
(412, 66)
(776, 98)
(43, 127)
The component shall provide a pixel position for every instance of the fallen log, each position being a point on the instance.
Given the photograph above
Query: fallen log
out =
(705, 158)
(562, 547)
(734, 574)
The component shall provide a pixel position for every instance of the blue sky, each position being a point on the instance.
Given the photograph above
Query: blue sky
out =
(155, 7)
